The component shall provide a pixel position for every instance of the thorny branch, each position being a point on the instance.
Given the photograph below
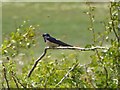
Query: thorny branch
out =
(70, 48)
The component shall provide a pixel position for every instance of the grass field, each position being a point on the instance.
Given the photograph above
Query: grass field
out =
(65, 21)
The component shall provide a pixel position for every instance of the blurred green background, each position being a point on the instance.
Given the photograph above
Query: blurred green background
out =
(65, 21)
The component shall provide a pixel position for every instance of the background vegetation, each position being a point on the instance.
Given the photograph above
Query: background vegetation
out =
(80, 24)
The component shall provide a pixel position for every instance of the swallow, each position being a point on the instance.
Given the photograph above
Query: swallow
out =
(52, 42)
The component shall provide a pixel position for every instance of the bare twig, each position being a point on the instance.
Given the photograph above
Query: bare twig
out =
(15, 80)
(19, 81)
(36, 62)
(70, 48)
(5, 76)
(74, 66)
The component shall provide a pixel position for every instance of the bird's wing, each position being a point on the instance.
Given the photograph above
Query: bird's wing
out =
(60, 43)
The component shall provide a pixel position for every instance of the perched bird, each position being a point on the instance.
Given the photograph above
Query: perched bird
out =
(52, 42)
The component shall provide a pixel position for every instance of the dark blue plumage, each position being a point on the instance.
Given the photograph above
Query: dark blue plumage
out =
(52, 42)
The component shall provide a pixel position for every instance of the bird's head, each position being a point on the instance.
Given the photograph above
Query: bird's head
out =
(46, 35)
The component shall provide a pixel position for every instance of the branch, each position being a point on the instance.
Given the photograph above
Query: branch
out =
(5, 76)
(113, 25)
(36, 62)
(19, 81)
(67, 74)
(71, 48)
(15, 80)
(79, 48)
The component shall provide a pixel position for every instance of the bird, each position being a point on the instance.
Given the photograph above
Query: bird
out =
(53, 42)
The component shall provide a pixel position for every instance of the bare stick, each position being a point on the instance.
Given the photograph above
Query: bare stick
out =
(67, 74)
(36, 62)
(79, 48)
(70, 48)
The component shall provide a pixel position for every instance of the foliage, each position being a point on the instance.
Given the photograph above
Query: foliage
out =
(22, 38)
(101, 72)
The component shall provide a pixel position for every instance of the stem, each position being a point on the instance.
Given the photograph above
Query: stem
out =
(91, 15)
(106, 72)
(113, 25)
(15, 80)
(5, 76)
(19, 81)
